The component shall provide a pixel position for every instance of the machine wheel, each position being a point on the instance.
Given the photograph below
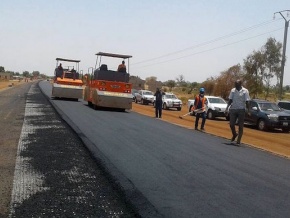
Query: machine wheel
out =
(164, 106)
(210, 115)
(262, 125)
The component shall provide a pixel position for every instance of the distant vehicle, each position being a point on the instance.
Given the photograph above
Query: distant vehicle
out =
(108, 88)
(134, 92)
(215, 108)
(169, 100)
(267, 115)
(285, 105)
(67, 82)
(144, 97)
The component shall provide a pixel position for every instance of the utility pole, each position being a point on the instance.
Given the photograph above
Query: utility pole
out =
(284, 50)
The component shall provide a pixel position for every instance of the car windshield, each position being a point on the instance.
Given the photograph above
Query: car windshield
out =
(134, 91)
(148, 93)
(171, 96)
(285, 105)
(216, 100)
(269, 106)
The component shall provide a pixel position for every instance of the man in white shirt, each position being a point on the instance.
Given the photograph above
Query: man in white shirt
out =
(238, 100)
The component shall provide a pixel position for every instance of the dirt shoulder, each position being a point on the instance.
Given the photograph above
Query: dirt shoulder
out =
(274, 141)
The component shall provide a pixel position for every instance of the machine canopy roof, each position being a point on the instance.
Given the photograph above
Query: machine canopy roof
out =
(114, 55)
(68, 60)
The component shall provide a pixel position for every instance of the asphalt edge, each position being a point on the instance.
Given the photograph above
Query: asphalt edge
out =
(133, 196)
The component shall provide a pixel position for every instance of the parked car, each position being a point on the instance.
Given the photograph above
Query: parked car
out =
(134, 92)
(169, 100)
(285, 105)
(144, 97)
(215, 108)
(267, 115)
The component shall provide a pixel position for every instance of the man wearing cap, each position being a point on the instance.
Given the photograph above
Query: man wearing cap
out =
(199, 107)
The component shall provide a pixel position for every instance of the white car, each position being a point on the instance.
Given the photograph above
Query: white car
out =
(144, 97)
(169, 100)
(216, 107)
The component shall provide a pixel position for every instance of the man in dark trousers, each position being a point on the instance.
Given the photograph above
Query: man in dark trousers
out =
(238, 100)
(158, 103)
(200, 103)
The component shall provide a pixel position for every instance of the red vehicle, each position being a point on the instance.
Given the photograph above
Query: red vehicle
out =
(108, 88)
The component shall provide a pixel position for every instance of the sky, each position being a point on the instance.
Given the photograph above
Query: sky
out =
(167, 38)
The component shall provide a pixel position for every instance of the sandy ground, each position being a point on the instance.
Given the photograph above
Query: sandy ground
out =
(7, 84)
(274, 141)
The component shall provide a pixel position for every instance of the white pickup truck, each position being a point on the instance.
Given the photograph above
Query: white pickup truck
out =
(216, 107)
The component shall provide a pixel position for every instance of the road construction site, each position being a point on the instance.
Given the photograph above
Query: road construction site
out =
(162, 169)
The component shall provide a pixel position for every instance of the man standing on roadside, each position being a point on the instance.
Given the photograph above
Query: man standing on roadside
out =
(238, 100)
(200, 104)
(158, 103)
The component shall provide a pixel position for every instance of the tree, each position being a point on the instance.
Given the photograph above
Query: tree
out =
(171, 84)
(273, 56)
(151, 82)
(191, 86)
(35, 74)
(209, 85)
(254, 66)
(224, 82)
(181, 81)
(25, 74)
(2, 69)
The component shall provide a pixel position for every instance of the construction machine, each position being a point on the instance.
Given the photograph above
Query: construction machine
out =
(67, 82)
(109, 88)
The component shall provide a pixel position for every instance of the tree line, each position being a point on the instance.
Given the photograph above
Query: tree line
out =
(260, 72)
(25, 74)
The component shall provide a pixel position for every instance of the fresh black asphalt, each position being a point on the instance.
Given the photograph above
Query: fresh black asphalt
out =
(55, 174)
(170, 171)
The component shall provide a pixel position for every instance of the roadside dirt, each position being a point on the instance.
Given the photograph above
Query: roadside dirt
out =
(274, 141)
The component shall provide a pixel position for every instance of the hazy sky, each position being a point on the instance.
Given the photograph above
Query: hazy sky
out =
(167, 38)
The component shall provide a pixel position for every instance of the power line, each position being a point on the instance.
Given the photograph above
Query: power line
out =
(208, 42)
(173, 59)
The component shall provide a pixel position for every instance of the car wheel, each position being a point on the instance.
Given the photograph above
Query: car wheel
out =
(179, 108)
(153, 103)
(210, 115)
(142, 101)
(164, 106)
(136, 101)
(262, 125)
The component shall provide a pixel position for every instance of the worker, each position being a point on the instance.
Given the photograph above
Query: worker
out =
(58, 71)
(199, 108)
(122, 67)
(158, 103)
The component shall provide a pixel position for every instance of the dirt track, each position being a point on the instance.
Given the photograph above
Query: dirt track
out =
(272, 141)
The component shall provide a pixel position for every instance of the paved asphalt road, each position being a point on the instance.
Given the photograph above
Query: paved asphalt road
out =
(54, 173)
(181, 172)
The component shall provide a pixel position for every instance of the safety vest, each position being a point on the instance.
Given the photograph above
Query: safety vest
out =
(196, 102)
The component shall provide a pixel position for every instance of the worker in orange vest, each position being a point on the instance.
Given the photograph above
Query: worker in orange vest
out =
(199, 108)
